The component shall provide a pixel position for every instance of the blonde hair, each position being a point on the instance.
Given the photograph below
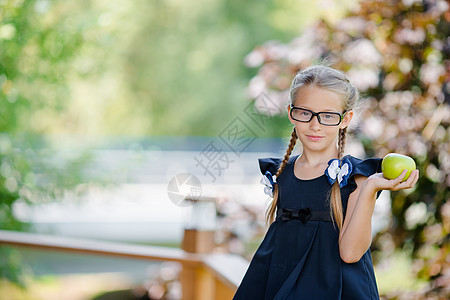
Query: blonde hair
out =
(335, 81)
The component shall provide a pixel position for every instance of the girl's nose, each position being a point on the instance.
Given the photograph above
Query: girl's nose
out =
(314, 123)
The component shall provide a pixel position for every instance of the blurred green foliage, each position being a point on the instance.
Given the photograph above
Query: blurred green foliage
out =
(36, 52)
(136, 67)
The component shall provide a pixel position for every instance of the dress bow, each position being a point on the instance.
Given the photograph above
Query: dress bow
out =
(269, 182)
(295, 214)
(339, 170)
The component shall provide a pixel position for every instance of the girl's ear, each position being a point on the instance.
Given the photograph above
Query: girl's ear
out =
(289, 114)
(347, 118)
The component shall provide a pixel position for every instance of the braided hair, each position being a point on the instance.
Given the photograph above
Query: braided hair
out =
(270, 213)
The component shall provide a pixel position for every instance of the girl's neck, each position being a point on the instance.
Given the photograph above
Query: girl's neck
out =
(314, 159)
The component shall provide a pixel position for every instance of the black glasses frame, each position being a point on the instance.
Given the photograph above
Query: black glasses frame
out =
(317, 115)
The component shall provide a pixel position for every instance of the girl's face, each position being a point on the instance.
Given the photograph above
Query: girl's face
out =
(314, 136)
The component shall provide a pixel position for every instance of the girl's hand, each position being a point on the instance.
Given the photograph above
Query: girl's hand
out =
(378, 182)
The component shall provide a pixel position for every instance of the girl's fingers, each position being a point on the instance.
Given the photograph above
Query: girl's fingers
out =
(410, 182)
(399, 184)
(416, 178)
(411, 179)
(400, 178)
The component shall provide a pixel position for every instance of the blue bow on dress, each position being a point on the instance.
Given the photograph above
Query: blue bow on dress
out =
(269, 183)
(339, 170)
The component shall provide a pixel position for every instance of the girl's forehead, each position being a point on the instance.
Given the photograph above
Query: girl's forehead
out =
(319, 99)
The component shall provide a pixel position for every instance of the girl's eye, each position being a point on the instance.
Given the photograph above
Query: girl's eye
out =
(304, 113)
(329, 116)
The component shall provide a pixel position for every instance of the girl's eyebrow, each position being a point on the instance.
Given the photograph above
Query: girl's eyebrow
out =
(324, 110)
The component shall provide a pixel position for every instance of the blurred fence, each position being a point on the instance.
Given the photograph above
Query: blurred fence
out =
(204, 275)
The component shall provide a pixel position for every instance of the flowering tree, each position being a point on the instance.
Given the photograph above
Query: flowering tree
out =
(397, 52)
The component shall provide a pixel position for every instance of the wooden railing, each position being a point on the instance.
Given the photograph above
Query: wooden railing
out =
(205, 276)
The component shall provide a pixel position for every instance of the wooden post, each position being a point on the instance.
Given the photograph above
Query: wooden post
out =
(197, 283)
(198, 241)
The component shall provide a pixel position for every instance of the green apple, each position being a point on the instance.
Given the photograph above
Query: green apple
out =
(393, 165)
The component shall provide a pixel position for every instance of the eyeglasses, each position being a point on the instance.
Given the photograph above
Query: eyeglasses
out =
(324, 118)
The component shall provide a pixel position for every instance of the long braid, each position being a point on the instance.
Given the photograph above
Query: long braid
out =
(342, 138)
(270, 213)
(336, 211)
(292, 143)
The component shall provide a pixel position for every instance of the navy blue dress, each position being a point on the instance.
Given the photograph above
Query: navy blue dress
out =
(299, 259)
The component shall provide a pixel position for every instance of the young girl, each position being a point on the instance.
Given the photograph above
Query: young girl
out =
(320, 218)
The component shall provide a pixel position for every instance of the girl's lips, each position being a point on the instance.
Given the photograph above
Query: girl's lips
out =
(314, 137)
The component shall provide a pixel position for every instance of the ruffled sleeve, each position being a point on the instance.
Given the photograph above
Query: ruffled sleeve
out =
(269, 164)
(365, 168)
